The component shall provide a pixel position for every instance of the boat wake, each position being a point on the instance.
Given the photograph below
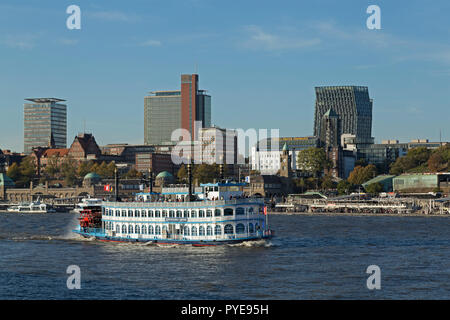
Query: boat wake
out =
(255, 244)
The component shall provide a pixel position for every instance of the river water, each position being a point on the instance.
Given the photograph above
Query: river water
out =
(312, 257)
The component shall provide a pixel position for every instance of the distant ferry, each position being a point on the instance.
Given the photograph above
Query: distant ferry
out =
(207, 221)
(32, 207)
(88, 203)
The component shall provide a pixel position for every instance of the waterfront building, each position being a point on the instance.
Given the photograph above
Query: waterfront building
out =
(351, 104)
(45, 124)
(156, 163)
(84, 147)
(422, 182)
(218, 145)
(386, 180)
(166, 111)
(126, 153)
(7, 158)
(266, 160)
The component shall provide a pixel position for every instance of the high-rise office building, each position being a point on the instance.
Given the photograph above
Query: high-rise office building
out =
(45, 124)
(166, 111)
(353, 107)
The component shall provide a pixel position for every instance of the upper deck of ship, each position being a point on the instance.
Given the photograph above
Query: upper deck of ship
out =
(185, 205)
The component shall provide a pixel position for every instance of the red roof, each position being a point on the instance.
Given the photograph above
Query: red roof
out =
(58, 152)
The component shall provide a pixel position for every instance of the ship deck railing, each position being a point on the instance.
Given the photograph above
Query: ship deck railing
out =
(165, 204)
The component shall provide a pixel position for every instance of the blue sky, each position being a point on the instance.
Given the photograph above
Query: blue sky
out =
(259, 60)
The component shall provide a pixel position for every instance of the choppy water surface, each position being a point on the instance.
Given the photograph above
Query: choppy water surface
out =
(312, 257)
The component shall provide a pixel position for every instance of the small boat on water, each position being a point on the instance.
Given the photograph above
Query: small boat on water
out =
(88, 204)
(31, 207)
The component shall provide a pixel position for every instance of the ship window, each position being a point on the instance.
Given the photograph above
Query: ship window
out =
(179, 213)
(201, 213)
(137, 229)
(201, 231)
(186, 213)
(150, 213)
(228, 229)
(250, 228)
(194, 231)
(164, 213)
(193, 214)
(144, 229)
(240, 211)
(209, 231)
(228, 212)
(186, 230)
(217, 213)
(137, 213)
(157, 230)
(217, 230)
(157, 213)
(130, 213)
(124, 213)
(240, 228)
(171, 214)
(209, 213)
(130, 229)
(124, 228)
(144, 213)
(150, 229)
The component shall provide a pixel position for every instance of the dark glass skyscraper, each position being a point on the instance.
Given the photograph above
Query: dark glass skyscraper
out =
(353, 107)
(45, 124)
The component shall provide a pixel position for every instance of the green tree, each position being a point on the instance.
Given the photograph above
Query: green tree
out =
(300, 183)
(182, 173)
(439, 159)
(328, 183)
(359, 175)
(205, 173)
(314, 161)
(69, 172)
(14, 172)
(27, 171)
(416, 160)
(111, 167)
(345, 187)
(133, 174)
(375, 187)
(52, 169)
(84, 168)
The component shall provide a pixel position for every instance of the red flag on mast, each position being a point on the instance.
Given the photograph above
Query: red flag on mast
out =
(265, 210)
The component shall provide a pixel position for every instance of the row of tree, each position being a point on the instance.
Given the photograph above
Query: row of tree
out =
(203, 173)
(421, 159)
(66, 170)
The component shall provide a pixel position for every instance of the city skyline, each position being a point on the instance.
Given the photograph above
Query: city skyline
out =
(262, 70)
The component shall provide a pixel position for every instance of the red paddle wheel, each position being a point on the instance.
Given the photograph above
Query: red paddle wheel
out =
(90, 218)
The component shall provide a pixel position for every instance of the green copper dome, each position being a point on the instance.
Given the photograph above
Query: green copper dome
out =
(6, 181)
(92, 175)
(164, 174)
